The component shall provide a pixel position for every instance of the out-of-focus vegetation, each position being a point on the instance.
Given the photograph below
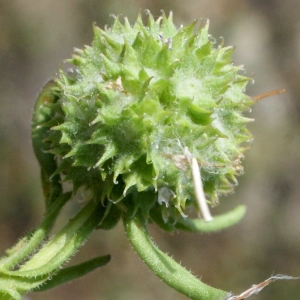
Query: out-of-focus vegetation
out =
(36, 36)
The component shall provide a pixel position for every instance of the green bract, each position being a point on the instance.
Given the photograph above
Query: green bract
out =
(141, 101)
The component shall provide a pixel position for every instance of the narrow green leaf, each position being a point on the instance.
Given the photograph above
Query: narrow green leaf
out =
(13, 288)
(29, 243)
(74, 272)
(218, 223)
(42, 114)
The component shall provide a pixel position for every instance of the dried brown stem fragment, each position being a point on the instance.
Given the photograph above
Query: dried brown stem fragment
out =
(268, 94)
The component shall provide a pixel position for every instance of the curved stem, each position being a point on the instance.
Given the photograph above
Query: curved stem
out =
(164, 266)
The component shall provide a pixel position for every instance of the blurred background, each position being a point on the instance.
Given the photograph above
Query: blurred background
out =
(37, 36)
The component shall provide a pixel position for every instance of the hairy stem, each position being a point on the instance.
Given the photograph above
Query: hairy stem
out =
(164, 266)
(29, 243)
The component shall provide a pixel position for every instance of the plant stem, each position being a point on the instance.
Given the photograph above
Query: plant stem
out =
(29, 243)
(16, 280)
(164, 266)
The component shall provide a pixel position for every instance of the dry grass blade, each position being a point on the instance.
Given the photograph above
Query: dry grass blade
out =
(256, 288)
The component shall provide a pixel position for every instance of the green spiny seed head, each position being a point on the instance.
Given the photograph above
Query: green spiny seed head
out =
(142, 101)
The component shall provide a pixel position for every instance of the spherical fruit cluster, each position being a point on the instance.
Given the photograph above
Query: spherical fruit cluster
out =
(141, 104)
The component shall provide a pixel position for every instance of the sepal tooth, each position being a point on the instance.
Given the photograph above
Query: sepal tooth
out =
(110, 151)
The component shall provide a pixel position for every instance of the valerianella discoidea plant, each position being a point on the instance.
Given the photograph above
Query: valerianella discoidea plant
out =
(141, 103)
(149, 122)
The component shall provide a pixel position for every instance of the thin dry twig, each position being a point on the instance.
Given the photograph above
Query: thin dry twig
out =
(256, 288)
(268, 94)
(180, 162)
